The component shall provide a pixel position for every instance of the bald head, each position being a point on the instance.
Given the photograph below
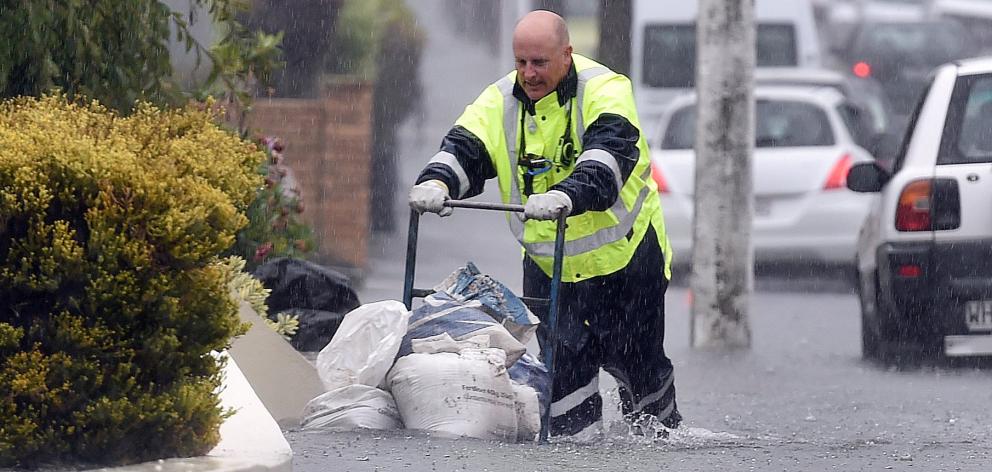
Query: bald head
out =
(544, 26)
(542, 51)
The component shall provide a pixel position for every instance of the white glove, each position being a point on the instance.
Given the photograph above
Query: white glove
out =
(547, 206)
(429, 197)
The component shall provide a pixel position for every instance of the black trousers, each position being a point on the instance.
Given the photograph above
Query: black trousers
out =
(615, 322)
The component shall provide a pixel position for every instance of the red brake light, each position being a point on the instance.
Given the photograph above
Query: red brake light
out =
(862, 69)
(910, 271)
(838, 175)
(913, 211)
(659, 179)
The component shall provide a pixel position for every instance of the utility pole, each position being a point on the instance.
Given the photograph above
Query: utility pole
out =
(722, 261)
(557, 6)
(614, 34)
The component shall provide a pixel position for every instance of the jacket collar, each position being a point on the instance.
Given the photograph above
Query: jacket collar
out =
(566, 90)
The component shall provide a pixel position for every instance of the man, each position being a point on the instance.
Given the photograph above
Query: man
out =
(561, 134)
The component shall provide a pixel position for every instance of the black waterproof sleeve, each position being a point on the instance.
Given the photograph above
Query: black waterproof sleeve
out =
(471, 155)
(592, 185)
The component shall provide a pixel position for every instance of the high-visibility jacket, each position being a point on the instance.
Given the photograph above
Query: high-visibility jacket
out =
(608, 176)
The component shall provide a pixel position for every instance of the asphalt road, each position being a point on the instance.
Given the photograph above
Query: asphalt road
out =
(800, 399)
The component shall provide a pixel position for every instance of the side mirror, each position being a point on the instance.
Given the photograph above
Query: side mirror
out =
(866, 177)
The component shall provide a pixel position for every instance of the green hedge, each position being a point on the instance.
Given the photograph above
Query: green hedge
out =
(111, 293)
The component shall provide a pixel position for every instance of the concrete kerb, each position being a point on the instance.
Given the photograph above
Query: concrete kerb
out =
(283, 379)
(267, 383)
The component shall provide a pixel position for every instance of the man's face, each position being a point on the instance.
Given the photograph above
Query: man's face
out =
(541, 64)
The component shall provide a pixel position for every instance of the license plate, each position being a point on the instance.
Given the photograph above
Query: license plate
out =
(978, 315)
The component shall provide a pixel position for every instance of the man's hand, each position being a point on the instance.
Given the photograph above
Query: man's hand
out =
(547, 206)
(429, 197)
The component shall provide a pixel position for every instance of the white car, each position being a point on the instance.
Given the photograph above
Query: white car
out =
(803, 211)
(925, 252)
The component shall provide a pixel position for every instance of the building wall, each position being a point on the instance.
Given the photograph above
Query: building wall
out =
(327, 145)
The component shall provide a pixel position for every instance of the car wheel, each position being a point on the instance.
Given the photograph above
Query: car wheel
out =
(881, 338)
(869, 340)
(868, 298)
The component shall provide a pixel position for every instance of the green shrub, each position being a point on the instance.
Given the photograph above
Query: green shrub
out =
(112, 296)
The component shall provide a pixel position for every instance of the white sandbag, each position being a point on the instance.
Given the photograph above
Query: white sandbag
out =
(464, 394)
(364, 346)
(528, 412)
(445, 343)
(461, 320)
(352, 407)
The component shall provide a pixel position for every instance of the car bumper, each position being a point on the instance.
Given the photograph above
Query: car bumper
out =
(968, 345)
(823, 228)
(933, 301)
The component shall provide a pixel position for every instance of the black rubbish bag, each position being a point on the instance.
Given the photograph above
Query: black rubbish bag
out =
(319, 296)
(316, 328)
(296, 283)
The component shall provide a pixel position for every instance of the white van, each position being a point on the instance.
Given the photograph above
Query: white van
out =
(663, 46)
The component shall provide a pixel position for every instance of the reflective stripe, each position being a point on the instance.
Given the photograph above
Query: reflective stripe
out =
(449, 159)
(585, 76)
(511, 107)
(589, 433)
(649, 399)
(575, 398)
(601, 237)
(664, 414)
(606, 158)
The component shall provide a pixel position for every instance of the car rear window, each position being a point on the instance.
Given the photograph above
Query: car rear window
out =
(968, 129)
(670, 52)
(780, 123)
(926, 44)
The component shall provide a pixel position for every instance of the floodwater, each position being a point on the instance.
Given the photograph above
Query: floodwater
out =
(800, 399)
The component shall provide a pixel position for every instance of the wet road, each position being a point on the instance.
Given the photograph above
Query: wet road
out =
(800, 399)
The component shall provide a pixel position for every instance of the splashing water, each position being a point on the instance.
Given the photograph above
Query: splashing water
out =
(615, 429)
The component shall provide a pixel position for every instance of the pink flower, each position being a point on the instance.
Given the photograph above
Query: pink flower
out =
(262, 251)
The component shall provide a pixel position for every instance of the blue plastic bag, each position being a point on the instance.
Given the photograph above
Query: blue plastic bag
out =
(441, 314)
(498, 301)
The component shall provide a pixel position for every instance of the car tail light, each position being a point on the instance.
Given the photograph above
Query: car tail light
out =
(909, 271)
(913, 211)
(659, 179)
(861, 69)
(838, 175)
(929, 205)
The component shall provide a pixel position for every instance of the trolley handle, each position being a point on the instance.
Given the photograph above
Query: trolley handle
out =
(484, 205)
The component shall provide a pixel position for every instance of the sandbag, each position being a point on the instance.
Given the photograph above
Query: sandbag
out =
(352, 407)
(461, 320)
(364, 346)
(445, 343)
(495, 299)
(528, 412)
(463, 394)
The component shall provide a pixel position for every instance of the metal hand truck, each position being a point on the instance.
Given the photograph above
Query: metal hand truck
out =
(550, 304)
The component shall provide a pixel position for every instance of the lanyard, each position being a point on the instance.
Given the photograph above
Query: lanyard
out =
(534, 164)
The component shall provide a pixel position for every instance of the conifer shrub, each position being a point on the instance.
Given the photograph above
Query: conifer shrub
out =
(112, 296)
